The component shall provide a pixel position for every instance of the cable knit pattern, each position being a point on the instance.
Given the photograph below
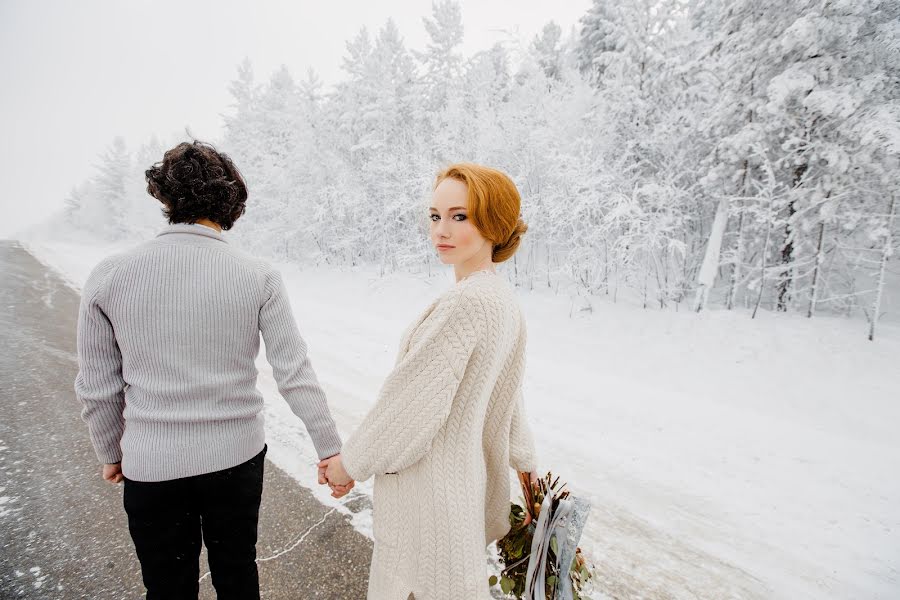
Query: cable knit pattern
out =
(168, 334)
(447, 426)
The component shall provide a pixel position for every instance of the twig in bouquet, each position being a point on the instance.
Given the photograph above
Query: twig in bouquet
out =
(528, 492)
(516, 564)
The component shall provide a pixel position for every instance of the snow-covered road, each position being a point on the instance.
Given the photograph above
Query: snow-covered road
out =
(725, 457)
(63, 530)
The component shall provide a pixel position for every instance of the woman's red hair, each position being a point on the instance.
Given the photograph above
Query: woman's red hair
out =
(493, 204)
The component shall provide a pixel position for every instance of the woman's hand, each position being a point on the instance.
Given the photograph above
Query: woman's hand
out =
(332, 472)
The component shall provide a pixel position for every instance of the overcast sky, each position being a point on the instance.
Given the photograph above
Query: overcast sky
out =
(75, 74)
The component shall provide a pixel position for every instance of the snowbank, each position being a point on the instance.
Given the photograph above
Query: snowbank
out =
(724, 456)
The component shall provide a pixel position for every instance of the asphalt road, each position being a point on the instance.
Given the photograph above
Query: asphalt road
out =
(63, 531)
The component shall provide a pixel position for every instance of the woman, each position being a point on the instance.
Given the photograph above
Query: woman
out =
(449, 420)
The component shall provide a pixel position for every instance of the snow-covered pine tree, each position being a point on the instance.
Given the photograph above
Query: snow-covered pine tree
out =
(110, 193)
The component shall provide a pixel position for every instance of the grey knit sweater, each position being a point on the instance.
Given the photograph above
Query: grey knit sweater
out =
(168, 333)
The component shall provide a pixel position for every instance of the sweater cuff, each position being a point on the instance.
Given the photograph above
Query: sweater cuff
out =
(354, 470)
(327, 443)
(523, 459)
(109, 456)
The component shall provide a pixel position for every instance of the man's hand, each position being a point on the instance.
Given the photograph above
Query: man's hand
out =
(332, 472)
(113, 473)
(323, 464)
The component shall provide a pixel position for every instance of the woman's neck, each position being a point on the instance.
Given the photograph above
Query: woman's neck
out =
(464, 270)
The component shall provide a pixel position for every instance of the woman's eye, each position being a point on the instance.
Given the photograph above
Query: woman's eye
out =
(461, 217)
(434, 217)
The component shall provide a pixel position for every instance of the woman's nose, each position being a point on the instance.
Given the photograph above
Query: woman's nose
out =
(440, 230)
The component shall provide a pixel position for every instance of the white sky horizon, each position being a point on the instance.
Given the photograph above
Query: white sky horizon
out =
(75, 75)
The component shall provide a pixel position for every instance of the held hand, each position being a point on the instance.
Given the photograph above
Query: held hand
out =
(339, 491)
(335, 472)
(323, 464)
(113, 473)
(332, 472)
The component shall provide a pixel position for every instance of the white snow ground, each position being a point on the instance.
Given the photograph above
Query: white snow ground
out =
(725, 457)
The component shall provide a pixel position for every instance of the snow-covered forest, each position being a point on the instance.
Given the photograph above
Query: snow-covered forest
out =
(674, 153)
(738, 158)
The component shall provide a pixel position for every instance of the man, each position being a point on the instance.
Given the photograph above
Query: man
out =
(168, 333)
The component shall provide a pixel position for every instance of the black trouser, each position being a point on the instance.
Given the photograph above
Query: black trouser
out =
(166, 519)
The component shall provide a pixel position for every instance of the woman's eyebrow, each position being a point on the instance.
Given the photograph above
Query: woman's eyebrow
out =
(451, 208)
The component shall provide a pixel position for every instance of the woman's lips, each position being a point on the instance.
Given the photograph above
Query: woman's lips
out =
(444, 247)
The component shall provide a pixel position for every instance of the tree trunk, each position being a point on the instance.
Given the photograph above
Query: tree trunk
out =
(515, 271)
(606, 267)
(787, 251)
(646, 275)
(616, 274)
(549, 285)
(710, 267)
(762, 262)
(665, 295)
(787, 257)
(885, 256)
(739, 245)
(738, 261)
(820, 255)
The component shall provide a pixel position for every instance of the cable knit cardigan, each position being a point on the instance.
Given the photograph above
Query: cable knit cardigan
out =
(446, 427)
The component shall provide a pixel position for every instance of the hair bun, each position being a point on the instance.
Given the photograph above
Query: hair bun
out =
(506, 249)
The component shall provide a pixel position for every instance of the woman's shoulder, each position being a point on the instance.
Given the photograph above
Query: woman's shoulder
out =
(474, 288)
(481, 296)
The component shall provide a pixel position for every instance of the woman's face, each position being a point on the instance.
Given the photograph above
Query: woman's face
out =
(453, 235)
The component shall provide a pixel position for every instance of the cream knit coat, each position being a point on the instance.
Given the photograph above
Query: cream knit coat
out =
(447, 426)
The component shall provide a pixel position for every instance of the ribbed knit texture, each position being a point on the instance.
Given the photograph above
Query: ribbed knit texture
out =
(447, 426)
(168, 334)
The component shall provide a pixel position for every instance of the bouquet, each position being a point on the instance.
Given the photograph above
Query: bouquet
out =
(540, 554)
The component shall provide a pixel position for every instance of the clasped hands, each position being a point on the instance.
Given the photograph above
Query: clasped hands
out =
(332, 472)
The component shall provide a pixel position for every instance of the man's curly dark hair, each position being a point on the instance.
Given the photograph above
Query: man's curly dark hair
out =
(195, 181)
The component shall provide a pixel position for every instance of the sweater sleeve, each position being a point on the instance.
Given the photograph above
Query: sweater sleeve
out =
(415, 399)
(286, 351)
(522, 455)
(99, 385)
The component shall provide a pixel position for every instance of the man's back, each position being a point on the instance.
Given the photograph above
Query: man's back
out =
(186, 310)
(168, 334)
